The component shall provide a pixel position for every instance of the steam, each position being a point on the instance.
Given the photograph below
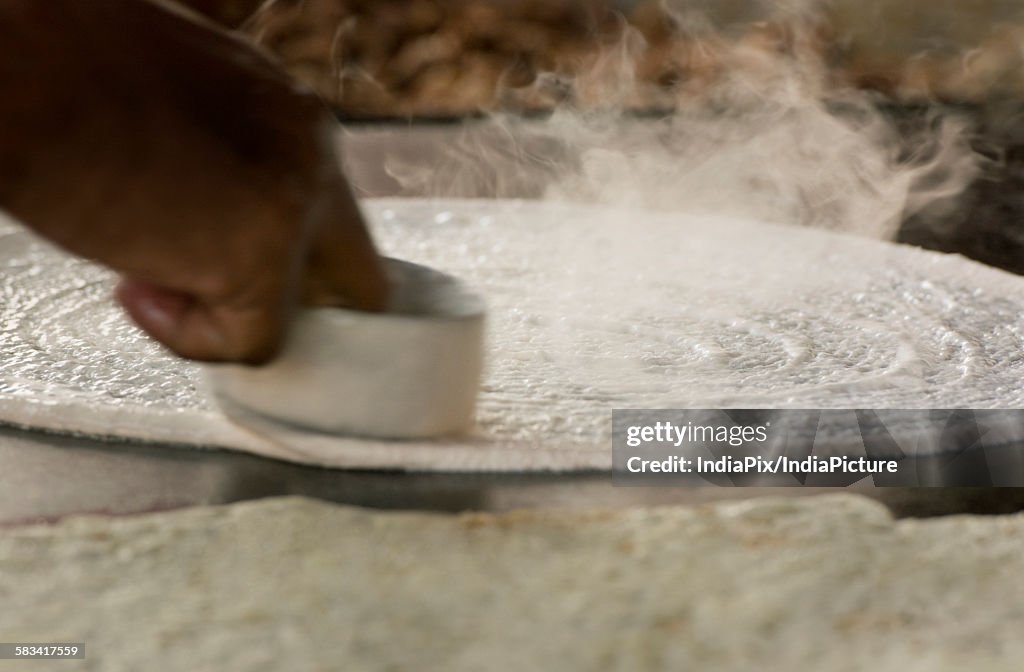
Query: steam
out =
(757, 127)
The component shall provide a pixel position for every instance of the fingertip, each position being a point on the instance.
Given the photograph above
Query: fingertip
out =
(157, 311)
(183, 325)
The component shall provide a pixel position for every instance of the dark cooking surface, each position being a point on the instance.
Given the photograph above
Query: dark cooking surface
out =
(988, 224)
(47, 477)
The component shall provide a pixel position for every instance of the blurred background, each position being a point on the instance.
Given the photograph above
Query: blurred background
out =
(410, 77)
(453, 58)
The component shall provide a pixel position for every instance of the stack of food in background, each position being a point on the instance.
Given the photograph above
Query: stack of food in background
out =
(444, 58)
(450, 58)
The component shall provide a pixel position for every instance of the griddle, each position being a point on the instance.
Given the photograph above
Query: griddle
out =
(47, 477)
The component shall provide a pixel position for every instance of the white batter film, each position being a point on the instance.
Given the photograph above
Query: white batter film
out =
(590, 309)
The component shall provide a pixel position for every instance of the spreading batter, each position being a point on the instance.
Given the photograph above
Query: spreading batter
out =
(608, 313)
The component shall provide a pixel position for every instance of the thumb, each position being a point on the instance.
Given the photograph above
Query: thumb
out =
(200, 331)
(343, 268)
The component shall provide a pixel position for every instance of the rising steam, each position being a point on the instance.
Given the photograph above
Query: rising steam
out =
(758, 127)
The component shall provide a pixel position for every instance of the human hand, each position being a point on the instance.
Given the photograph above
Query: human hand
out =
(193, 167)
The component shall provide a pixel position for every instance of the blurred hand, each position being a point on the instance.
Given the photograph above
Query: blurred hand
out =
(179, 156)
